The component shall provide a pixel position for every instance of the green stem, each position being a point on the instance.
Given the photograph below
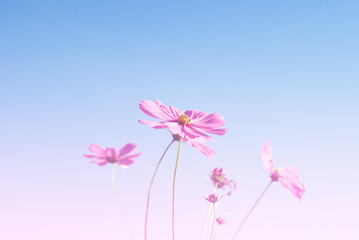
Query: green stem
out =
(149, 189)
(174, 188)
(250, 211)
(118, 201)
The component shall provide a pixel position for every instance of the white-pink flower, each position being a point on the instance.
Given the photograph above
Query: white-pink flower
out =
(124, 157)
(192, 125)
(288, 176)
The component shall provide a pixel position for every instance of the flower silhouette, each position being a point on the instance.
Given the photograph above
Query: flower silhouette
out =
(288, 176)
(191, 126)
(124, 157)
(213, 198)
(218, 177)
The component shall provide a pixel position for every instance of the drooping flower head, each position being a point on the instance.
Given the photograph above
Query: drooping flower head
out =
(221, 221)
(192, 125)
(218, 177)
(288, 176)
(124, 157)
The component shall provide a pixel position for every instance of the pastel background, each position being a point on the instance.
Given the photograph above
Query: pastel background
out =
(72, 73)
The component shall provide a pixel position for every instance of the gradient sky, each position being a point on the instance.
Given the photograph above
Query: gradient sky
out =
(72, 73)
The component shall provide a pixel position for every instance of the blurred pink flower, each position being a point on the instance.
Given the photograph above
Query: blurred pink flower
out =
(191, 125)
(218, 176)
(213, 198)
(111, 155)
(288, 176)
(221, 221)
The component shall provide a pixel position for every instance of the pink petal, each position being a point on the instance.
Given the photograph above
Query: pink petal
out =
(186, 132)
(175, 128)
(266, 157)
(158, 102)
(92, 156)
(211, 121)
(209, 152)
(289, 177)
(128, 149)
(175, 112)
(100, 162)
(153, 124)
(134, 155)
(190, 133)
(195, 114)
(97, 150)
(198, 133)
(126, 162)
(156, 110)
(218, 131)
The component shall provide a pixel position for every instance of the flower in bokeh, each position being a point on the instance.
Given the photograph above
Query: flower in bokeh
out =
(191, 125)
(288, 176)
(221, 221)
(124, 157)
(213, 198)
(218, 177)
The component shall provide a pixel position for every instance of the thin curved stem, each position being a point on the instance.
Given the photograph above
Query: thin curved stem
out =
(215, 234)
(118, 201)
(209, 208)
(149, 189)
(174, 188)
(250, 211)
(214, 217)
(205, 220)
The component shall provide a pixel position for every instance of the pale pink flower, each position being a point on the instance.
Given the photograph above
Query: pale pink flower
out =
(221, 221)
(191, 125)
(218, 177)
(124, 157)
(213, 198)
(288, 176)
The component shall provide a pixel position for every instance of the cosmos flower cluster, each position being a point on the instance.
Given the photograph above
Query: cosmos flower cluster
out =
(194, 127)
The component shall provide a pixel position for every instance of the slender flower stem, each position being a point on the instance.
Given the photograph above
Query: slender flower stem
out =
(118, 201)
(215, 234)
(205, 220)
(214, 217)
(174, 188)
(250, 211)
(149, 189)
(207, 214)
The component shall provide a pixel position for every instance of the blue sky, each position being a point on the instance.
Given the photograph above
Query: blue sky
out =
(72, 73)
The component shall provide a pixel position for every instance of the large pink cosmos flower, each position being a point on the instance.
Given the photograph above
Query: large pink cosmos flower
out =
(124, 157)
(288, 176)
(191, 125)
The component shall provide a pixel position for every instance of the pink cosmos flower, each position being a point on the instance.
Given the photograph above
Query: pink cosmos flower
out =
(124, 157)
(213, 198)
(218, 176)
(288, 176)
(191, 125)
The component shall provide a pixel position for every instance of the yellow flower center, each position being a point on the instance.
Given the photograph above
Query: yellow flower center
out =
(184, 120)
